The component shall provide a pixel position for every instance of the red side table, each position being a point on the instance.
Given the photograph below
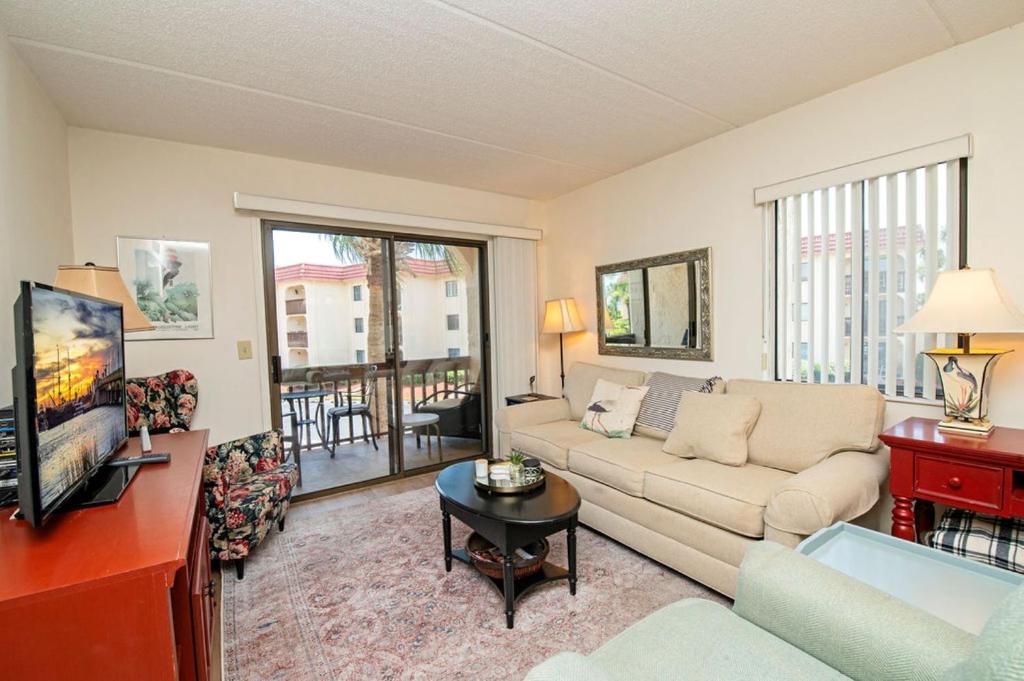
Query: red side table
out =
(985, 475)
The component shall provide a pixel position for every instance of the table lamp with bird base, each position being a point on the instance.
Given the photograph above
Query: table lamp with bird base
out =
(966, 302)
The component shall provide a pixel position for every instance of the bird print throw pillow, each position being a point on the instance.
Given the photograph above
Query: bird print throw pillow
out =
(613, 408)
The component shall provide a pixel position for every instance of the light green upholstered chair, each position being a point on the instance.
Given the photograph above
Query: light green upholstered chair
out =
(795, 619)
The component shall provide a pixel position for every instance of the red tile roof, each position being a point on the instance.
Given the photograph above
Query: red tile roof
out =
(356, 272)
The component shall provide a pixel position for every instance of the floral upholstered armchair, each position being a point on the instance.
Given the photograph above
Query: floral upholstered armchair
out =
(248, 481)
(163, 403)
(249, 486)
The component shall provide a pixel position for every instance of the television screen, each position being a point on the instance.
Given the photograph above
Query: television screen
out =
(71, 350)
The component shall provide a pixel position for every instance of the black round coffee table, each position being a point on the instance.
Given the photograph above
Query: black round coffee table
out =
(510, 522)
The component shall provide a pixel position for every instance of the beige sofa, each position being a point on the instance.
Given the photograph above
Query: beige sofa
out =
(814, 459)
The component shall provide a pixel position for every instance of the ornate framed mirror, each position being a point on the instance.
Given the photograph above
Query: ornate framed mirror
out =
(656, 307)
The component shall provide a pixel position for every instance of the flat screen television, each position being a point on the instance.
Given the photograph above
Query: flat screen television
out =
(69, 394)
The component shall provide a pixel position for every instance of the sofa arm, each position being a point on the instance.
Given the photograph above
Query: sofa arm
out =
(532, 414)
(518, 416)
(852, 627)
(567, 667)
(842, 487)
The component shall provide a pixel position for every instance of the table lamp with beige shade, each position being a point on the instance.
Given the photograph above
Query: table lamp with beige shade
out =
(105, 283)
(966, 302)
(561, 316)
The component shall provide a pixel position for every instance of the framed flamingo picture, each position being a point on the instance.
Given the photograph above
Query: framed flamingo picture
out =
(170, 281)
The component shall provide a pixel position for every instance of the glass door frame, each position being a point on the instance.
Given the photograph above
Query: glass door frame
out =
(393, 360)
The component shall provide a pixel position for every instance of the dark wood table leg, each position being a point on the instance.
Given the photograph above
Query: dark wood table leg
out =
(509, 584)
(903, 518)
(446, 526)
(924, 517)
(570, 542)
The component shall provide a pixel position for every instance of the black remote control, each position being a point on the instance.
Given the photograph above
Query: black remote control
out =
(140, 459)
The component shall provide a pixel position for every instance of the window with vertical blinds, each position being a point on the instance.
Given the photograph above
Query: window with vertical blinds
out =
(849, 263)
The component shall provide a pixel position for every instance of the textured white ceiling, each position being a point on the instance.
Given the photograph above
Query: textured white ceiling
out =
(532, 98)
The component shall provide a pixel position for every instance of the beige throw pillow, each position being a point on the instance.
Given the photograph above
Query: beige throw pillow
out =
(713, 427)
(612, 409)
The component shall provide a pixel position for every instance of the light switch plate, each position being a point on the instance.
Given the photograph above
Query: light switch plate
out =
(244, 349)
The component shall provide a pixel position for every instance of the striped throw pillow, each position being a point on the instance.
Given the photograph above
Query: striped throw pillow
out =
(658, 410)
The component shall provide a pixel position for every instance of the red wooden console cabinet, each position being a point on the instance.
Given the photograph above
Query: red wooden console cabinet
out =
(979, 474)
(114, 592)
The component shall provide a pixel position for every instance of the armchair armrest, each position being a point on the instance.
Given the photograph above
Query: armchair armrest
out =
(238, 459)
(852, 627)
(842, 487)
(444, 393)
(527, 414)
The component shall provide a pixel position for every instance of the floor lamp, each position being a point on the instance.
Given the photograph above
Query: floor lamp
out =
(561, 316)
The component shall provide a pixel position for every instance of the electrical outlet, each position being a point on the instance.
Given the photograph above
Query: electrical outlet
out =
(244, 349)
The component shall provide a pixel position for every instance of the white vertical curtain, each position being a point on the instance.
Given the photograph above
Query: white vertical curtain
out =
(514, 316)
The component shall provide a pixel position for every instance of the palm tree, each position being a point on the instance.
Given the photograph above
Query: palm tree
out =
(368, 251)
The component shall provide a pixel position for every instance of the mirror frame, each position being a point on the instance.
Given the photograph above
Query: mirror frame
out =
(701, 256)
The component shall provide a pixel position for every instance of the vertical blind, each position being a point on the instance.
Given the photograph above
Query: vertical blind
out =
(851, 262)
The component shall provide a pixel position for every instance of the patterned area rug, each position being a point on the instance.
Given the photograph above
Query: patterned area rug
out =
(361, 593)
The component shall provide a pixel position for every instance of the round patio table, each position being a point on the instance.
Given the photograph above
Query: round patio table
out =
(307, 415)
(417, 420)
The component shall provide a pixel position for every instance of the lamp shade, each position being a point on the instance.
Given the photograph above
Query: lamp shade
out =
(966, 301)
(561, 316)
(105, 283)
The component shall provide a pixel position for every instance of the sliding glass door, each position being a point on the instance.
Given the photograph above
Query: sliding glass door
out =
(376, 351)
(440, 324)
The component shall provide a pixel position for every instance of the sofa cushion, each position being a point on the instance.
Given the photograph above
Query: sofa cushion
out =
(714, 427)
(658, 412)
(802, 424)
(697, 640)
(582, 377)
(567, 666)
(731, 497)
(550, 442)
(618, 463)
(612, 409)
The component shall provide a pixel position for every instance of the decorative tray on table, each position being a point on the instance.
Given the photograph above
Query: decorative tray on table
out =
(528, 484)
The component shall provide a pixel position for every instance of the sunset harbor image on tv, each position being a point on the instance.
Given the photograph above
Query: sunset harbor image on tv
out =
(79, 377)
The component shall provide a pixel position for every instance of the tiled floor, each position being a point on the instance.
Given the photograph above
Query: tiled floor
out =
(359, 461)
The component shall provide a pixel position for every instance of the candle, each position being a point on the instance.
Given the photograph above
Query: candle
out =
(481, 468)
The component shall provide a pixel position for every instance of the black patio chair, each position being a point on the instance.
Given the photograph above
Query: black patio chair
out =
(348, 408)
(458, 410)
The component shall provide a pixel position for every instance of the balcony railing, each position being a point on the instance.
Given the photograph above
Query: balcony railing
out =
(297, 306)
(421, 378)
(298, 339)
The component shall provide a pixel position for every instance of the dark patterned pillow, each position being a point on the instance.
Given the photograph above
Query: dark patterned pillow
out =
(986, 539)
(657, 414)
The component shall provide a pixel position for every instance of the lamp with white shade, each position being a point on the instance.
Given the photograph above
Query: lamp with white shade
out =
(966, 302)
(561, 316)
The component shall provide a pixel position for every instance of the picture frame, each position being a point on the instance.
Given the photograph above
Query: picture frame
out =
(171, 282)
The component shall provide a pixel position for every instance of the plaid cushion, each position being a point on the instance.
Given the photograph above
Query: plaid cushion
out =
(996, 541)
(658, 410)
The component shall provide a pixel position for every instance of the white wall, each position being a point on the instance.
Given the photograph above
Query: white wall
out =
(35, 210)
(703, 196)
(125, 185)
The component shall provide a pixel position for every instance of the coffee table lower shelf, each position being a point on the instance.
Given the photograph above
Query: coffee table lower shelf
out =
(548, 573)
